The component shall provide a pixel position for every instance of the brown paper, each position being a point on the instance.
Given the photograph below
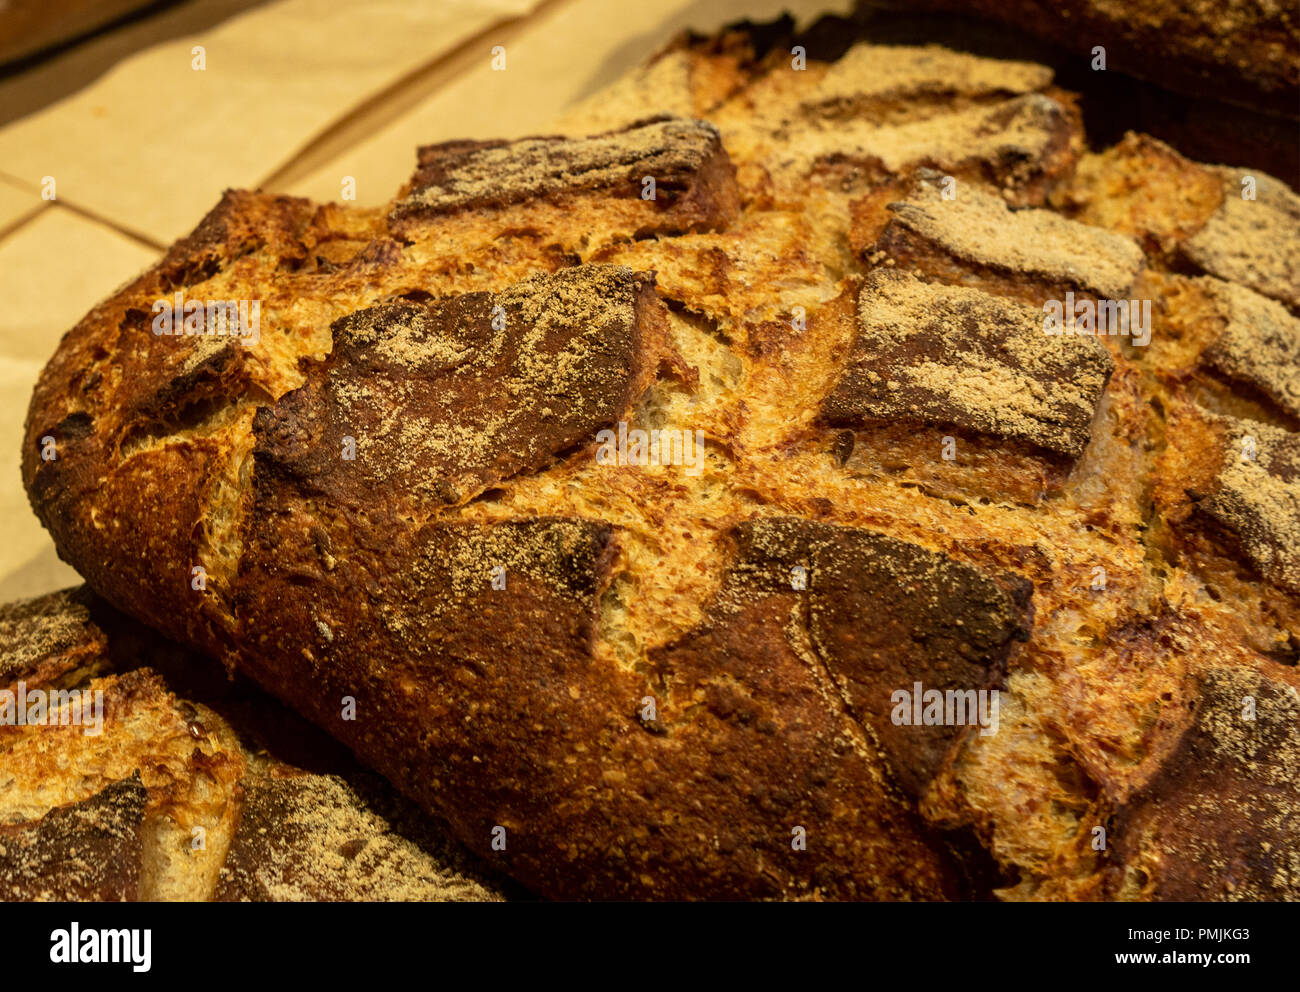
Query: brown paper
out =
(53, 270)
(151, 144)
(16, 205)
(560, 55)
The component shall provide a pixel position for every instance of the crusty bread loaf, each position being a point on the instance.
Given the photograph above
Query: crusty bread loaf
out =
(1246, 51)
(29, 26)
(120, 789)
(399, 509)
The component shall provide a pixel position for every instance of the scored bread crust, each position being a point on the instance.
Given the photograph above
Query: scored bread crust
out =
(1244, 51)
(626, 682)
(192, 787)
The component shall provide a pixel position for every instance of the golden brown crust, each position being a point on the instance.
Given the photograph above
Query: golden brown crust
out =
(1143, 188)
(967, 236)
(619, 672)
(84, 851)
(167, 797)
(967, 359)
(1229, 791)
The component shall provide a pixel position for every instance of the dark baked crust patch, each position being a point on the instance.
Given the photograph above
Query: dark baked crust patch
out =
(684, 157)
(881, 615)
(49, 640)
(880, 81)
(1256, 496)
(1038, 253)
(1023, 145)
(1221, 819)
(316, 838)
(1259, 344)
(935, 354)
(87, 851)
(484, 703)
(1252, 241)
(441, 401)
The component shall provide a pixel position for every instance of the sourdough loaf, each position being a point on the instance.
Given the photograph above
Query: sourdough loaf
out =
(1246, 51)
(137, 771)
(416, 508)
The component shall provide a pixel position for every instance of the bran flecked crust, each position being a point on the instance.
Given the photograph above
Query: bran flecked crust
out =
(192, 788)
(1056, 557)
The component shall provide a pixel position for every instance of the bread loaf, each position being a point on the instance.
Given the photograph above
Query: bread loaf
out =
(424, 507)
(114, 787)
(1245, 51)
(28, 27)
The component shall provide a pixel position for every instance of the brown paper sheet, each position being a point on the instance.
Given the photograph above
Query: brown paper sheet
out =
(151, 144)
(16, 205)
(60, 267)
(560, 55)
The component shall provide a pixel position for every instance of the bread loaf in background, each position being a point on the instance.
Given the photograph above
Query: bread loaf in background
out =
(682, 680)
(29, 26)
(1243, 51)
(146, 775)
